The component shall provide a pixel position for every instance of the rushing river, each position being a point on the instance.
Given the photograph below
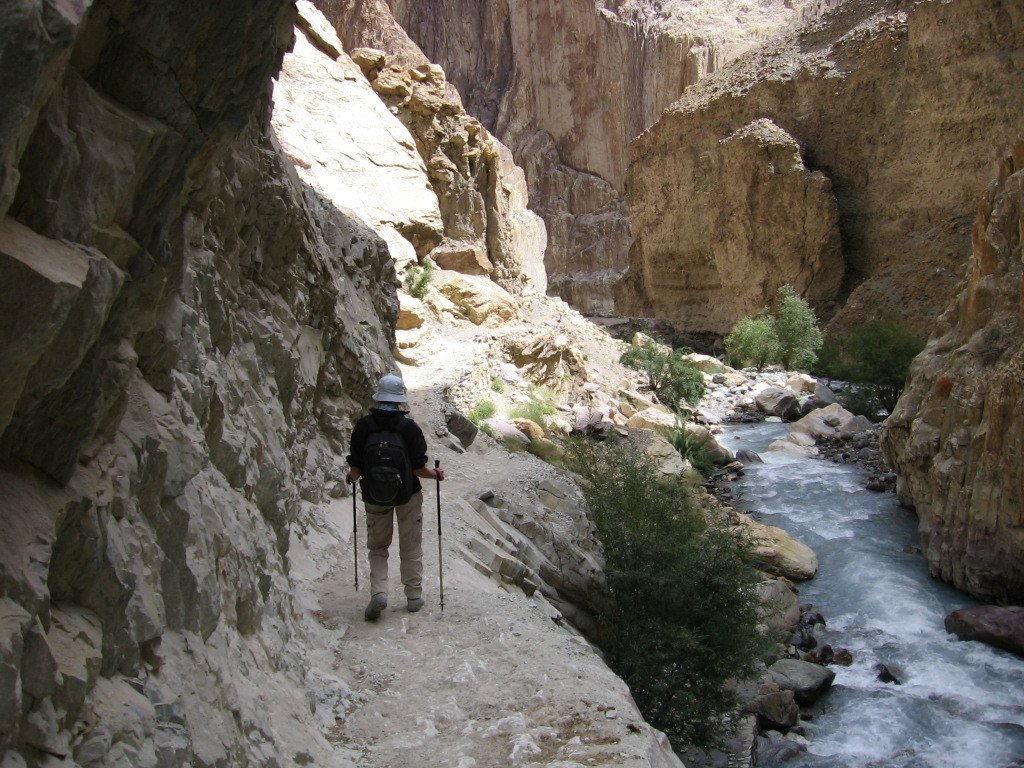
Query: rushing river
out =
(961, 705)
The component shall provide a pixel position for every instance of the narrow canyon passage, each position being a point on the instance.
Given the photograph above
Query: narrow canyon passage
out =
(959, 705)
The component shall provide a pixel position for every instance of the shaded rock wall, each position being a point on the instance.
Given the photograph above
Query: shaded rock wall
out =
(488, 227)
(187, 331)
(567, 85)
(903, 106)
(956, 438)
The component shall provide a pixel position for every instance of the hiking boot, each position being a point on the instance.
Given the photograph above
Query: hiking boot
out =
(413, 604)
(377, 604)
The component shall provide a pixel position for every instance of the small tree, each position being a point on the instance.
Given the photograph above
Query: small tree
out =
(683, 615)
(752, 341)
(797, 330)
(672, 375)
(879, 353)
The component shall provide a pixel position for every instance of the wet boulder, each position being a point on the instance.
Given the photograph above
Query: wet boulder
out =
(775, 709)
(776, 552)
(807, 681)
(995, 625)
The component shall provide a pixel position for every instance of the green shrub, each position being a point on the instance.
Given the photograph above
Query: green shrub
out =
(860, 399)
(681, 621)
(693, 450)
(497, 385)
(797, 331)
(877, 356)
(482, 411)
(672, 375)
(418, 278)
(535, 409)
(752, 342)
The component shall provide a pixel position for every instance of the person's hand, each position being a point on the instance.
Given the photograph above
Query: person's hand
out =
(353, 475)
(439, 473)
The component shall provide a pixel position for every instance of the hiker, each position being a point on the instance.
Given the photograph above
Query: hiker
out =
(390, 447)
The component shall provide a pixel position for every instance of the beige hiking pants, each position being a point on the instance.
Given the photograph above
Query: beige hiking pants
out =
(379, 531)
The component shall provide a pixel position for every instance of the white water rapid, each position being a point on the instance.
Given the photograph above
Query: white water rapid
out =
(961, 704)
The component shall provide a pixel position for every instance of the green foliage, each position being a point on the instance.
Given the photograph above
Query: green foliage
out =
(672, 375)
(682, 619)
(497, 385)
(418, 278)
(753, 342)
(861, 400)
(482, 411)
(797, 330)
(536, 409)
(877, 356)
(693, 450)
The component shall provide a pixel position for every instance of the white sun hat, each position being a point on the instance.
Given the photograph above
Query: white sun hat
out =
(390, 389)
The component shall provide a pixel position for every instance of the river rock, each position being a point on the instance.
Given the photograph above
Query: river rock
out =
(801, 383)
(775, 401)
(807, 681)
(777, 709)
(780, 607)
(652, 418)
(719, 453)
(748, 457)
(778, 553)
(995, 625)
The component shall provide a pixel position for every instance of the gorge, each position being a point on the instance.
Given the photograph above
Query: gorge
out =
(210, 215)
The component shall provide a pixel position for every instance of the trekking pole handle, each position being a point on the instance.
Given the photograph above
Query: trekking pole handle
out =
(355, 537)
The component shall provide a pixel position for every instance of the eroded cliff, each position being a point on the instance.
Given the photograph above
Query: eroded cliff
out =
(901, 106)
(567, 85)
(186, 335)
(956, 435)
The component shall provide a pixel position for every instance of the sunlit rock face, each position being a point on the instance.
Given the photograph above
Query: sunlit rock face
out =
(903, 107)
(956, 435)
(566, 84)
(187, 332)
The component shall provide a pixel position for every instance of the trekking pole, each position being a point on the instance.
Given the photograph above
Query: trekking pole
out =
(355, 536)
(440, 566)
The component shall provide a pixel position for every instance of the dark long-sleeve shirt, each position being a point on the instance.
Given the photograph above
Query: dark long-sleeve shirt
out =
(415, 443)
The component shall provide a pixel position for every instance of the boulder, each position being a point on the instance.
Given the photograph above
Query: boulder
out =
(467, 258)
(790, 447)
(825, 422)
(588, 420)
(718, 452)
(824, 394)
(780, 607)
(775, 401)
(460, 426)
(801, 383)
(995, 625)
(778, 553)
(652, 418)
(507, 431)
(776, 709)
(748, 457)
(807, 681)
(661, 452)
(478, 299)
(547, 358)
(531, 429)
(412, 313)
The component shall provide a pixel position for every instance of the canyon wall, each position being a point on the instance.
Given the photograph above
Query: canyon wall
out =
(957, 435)
(566, 85)
(187, 332)
(897, 110)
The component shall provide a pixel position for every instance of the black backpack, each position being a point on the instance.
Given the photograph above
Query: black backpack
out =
(387, 472)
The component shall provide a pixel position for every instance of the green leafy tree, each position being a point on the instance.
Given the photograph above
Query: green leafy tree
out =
(879, 353)
(753, 341)
(797, 330)
(674, 377)
(682, 617)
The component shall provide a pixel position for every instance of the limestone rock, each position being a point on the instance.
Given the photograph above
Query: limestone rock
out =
(531, 429)
(778, 553)
(652, 418)
(807, 681)
(481, 301)
(775, 401)
(546, 358)
(999, 626)
(507, 430)
(706, 271)
(347, 145)
(467, 258)
(957, 433)
(718, 452)
(412, 313)
(926, 70)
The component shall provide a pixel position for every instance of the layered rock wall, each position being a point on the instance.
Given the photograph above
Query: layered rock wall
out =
(567, 85)
(187, 332)
(956, 438)
(901, 105)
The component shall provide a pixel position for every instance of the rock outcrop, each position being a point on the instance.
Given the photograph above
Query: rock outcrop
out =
(487, 227)
(186, 335)
(956, 437)
(566, 84)
(897, 109)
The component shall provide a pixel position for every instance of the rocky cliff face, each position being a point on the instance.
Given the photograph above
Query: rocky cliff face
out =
(567, 85)
(956, 436)
(487, 227)
(900, 105)
(186, 335)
